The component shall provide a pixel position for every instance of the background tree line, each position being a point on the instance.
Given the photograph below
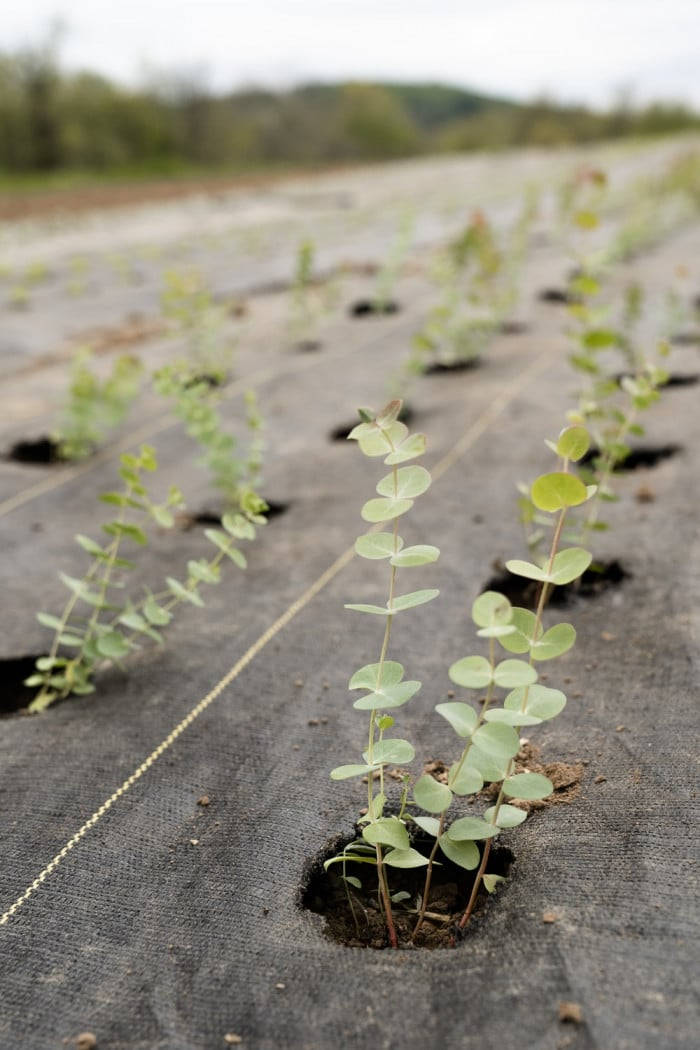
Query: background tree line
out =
(52, 121)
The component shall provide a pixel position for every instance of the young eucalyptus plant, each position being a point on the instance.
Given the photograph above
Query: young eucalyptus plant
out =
(95, 406)
(385, 842)
(304, 310)
(190, 306)
(488, 736)
(236, 476)
(107, 616)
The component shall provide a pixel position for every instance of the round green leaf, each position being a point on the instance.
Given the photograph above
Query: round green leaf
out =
(472, 672)
(569, 564)
(510, 718)
(405, 858)
(410, 482)
(465, 854)
(377, 545)
(472, 828)
(508, 816)
(387, 831)
(431, 795)
(113, 645)
(409, 601)
(490, 609)
(555, 491)
(461, 717)
(509, 674)
(526, 569)
(420, 554)
(368, 677)
(489, 768)
(542, 702)
(387, 696)
(431, 825)
(467, 781)
(528, 786)
(345, 772)
(385, 509)
(523, 623)
(393, 751)
(557, 640)
(498, 741)
(376, 442)
(573, 443)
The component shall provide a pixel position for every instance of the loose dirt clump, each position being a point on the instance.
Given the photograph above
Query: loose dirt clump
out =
(566, 778)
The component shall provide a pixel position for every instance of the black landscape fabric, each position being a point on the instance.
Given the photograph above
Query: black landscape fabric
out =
(173, 923)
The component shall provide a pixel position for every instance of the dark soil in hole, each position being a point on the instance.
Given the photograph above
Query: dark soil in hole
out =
(325, 894)
(210, 378)
(557, 295)
(675, 379)
(513, 328)
(308, 346)
(41, 450)
(341, 432)
(212, 519)
(15, 696)
(686, 338)
(370, 308)
(443, 367)
(524, 593)
(643, 457)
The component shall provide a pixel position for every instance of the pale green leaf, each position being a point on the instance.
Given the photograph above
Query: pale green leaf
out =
(523, 622)
(466, 780)
(471, 828)
(508, 816)
(382, 509)
(491, 609)
(388, 696)
(420, 554)
(573, 443)
(557, 640)
(431, 795)
(387, 831)
(541, 702)
(394, 751)
(461, 716)
(409, 449)
(526, 569)
(405, 858)
(377, 545)
(510, 674)
(528, 786)
(472, 672)
(431, 825)
(345, 772)
(409, 482)
(465, 853)
(498, 741)
(368, 677)
(558, 490)
(491, 882)
(409, 601)
(113, 645)
(569, 564)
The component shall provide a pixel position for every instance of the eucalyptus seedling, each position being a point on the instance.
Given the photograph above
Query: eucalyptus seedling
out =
(385, 841)
(95, 406)
(234, 473)
(103, 620)
(488, 737)
(304, 310)
(190, 306)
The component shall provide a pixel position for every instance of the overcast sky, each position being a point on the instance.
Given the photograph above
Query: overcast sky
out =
(581, 50)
